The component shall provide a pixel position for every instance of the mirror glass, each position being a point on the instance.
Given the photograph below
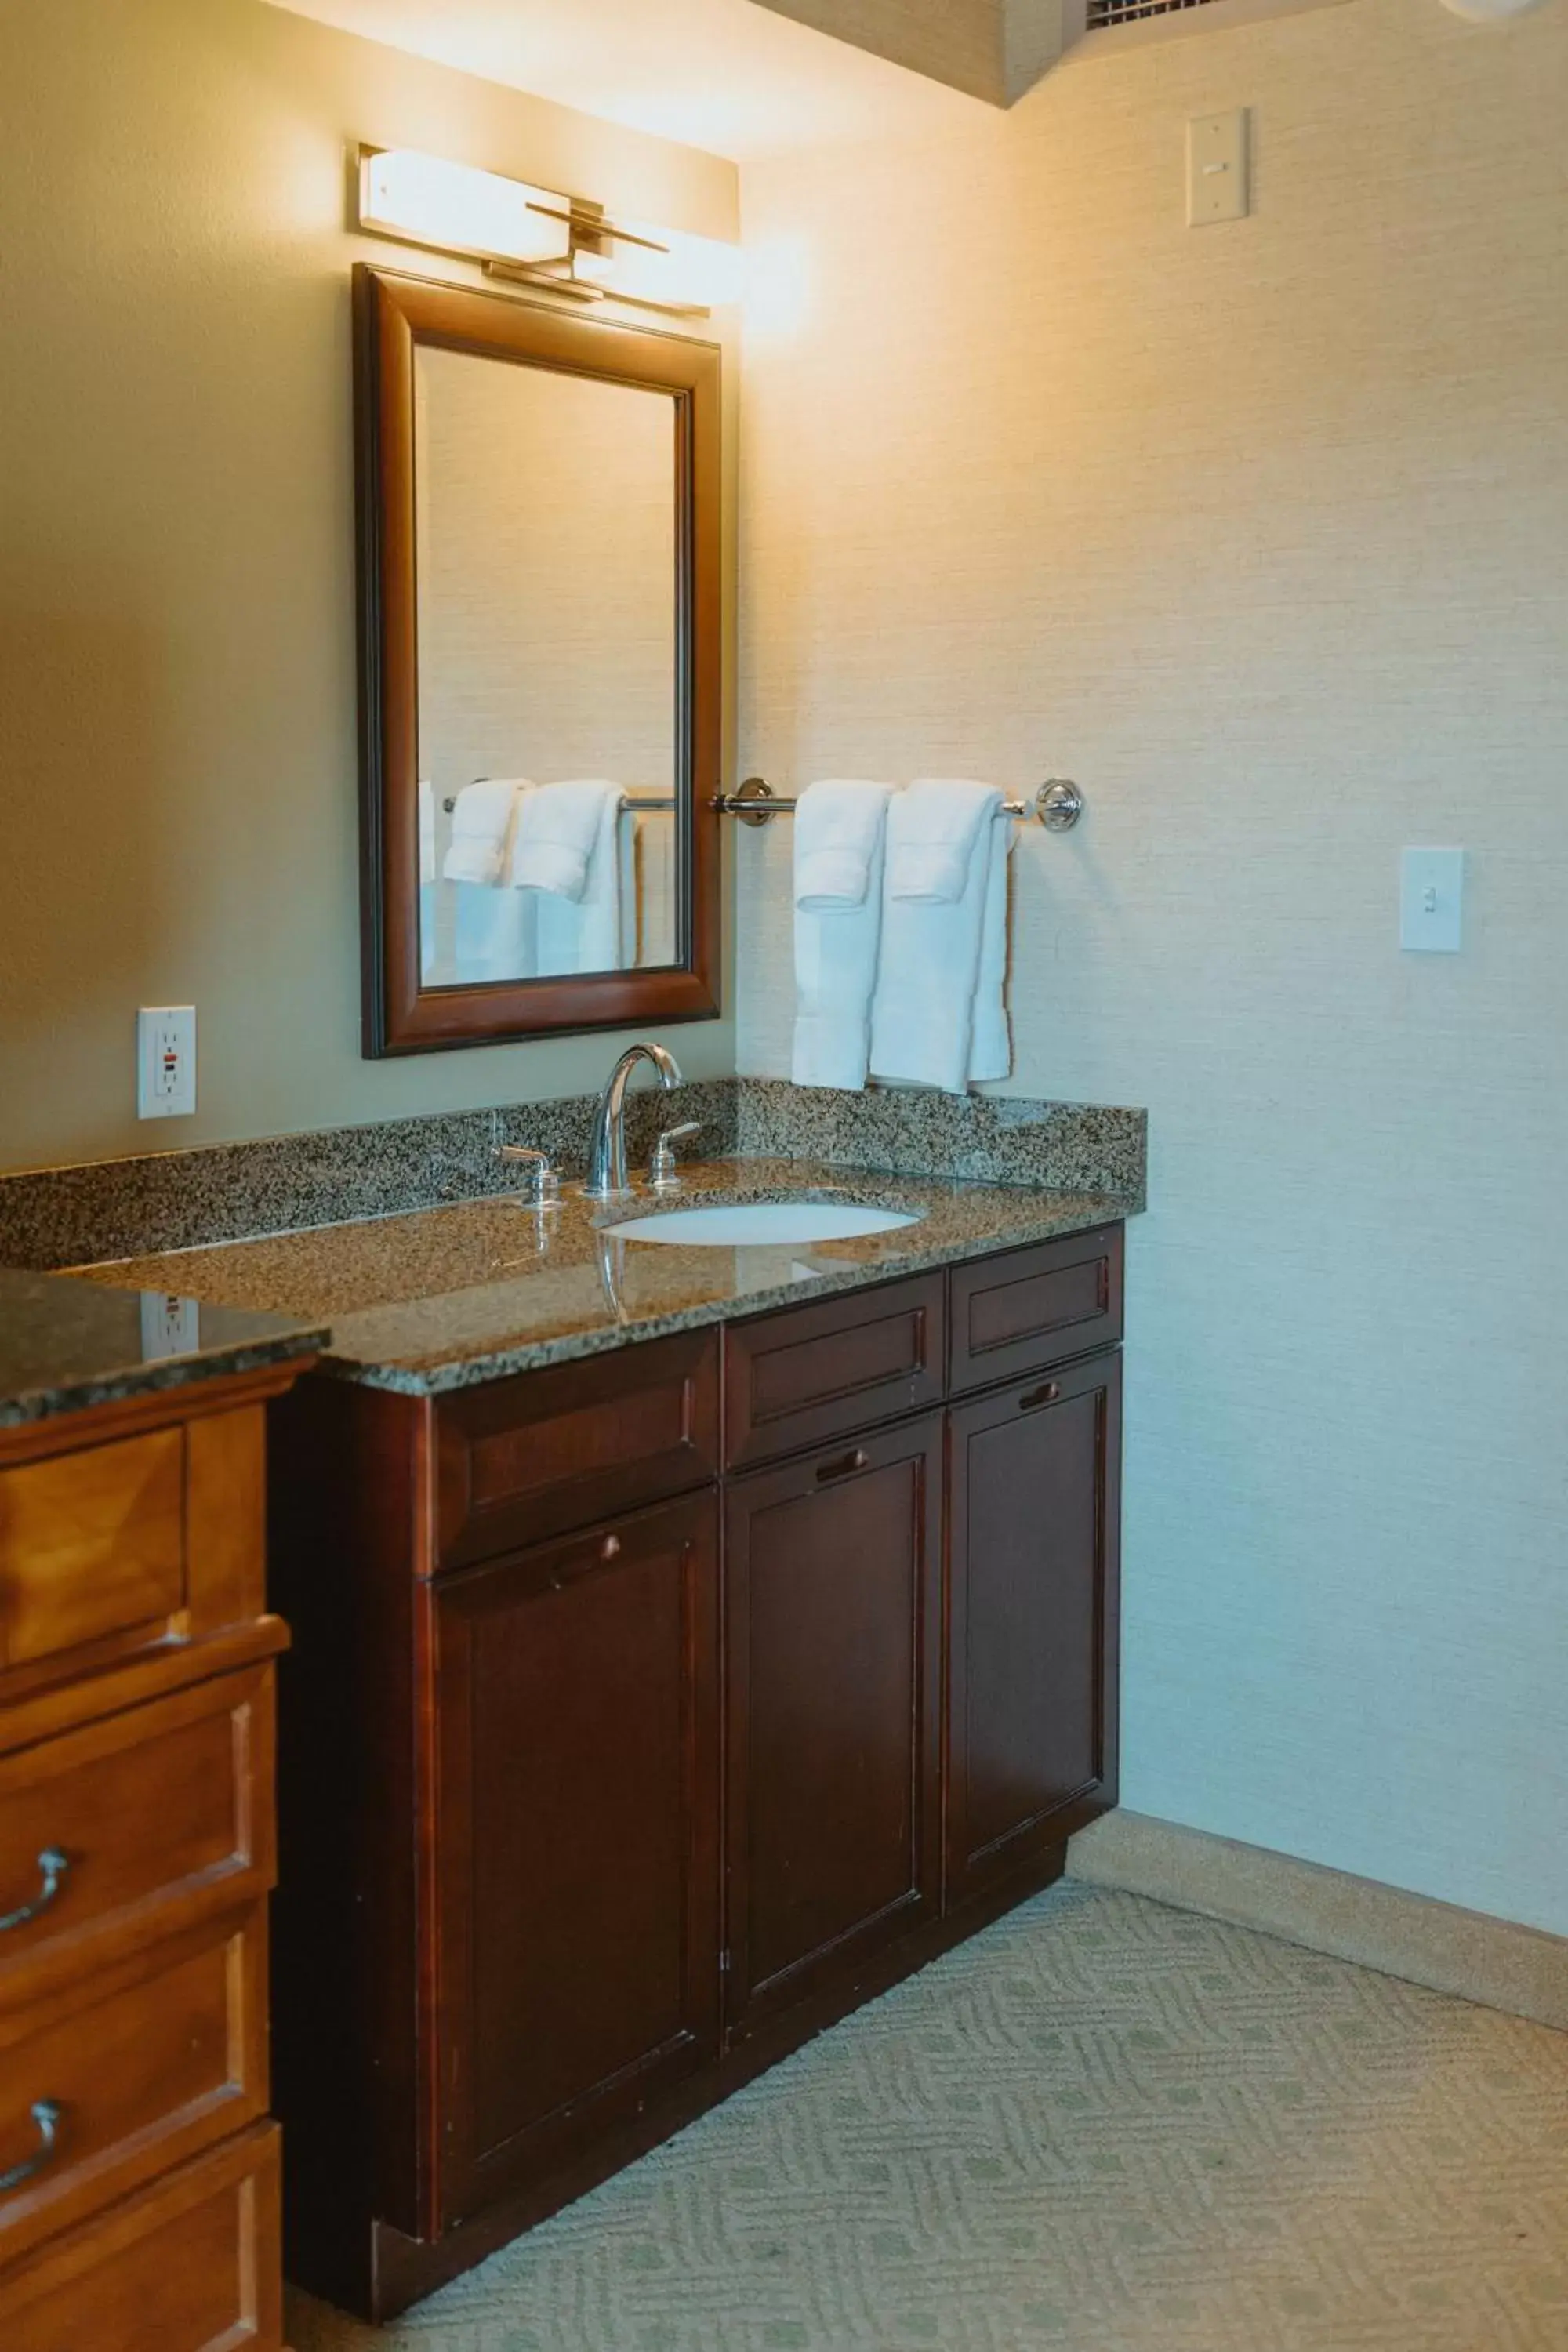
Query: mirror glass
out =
(547, 607)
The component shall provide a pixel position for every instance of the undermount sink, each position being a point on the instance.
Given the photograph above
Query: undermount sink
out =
(733, 1224)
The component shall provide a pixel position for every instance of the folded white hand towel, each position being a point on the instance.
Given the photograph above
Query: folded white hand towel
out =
(840, 834)
(991, 1041)
(930, 846)
(558, 832)
(922, 1014)
(482, 831)
(838, 831)
(598, 930)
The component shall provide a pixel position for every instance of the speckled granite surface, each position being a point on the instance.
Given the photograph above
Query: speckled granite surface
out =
(67, 1345)
(53, 1217)
(453, 1296)
(985, 1138)
(56, 1217)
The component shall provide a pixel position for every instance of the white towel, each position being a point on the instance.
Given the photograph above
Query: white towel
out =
(482, 831)
(595, 931)
(839, 839)
(558, 834)
(493, 934)
(991, 1043)
(923, 1028)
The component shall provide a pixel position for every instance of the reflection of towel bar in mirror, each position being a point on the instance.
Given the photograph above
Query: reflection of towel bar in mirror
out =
(1057, 806)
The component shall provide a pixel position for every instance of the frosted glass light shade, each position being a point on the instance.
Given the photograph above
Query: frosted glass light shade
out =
(695, 271)
(456, 208)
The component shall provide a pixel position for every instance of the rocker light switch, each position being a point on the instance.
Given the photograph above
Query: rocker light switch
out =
(1432, 900)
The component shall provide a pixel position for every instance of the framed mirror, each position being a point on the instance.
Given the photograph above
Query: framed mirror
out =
(540, 603)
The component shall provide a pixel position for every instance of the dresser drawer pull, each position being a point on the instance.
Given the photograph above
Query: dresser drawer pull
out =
(52, 1867)
(46, 2117)
(1047, 1394)
(846, 1462)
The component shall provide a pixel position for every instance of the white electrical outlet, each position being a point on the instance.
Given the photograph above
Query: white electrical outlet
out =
(171, 1325)
(166, 1061)
(1216, 168)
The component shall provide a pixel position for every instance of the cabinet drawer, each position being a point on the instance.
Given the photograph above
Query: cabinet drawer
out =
(1034, 1306)
(521, 1460)
(810, 1374)
(137, 2070)
(190, 2265)
(108, 1551)
(159, 1815)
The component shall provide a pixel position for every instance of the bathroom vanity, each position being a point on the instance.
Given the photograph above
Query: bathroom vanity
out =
(654, 1704)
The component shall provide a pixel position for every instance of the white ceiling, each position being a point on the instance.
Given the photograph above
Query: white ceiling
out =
(725, 75)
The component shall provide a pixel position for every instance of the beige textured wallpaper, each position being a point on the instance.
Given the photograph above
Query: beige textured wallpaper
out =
(1260, 533)
(177, 727)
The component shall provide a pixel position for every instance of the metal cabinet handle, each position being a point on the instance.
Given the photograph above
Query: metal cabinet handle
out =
(610, 1549)
(46, 2117)
(1046, 1395)
(843, 1466)
(52, 1867)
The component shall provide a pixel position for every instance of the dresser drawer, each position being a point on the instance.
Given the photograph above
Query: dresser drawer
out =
(133, 1828)
(1033, 1307)
(130, 2073)
(813, 1373)
(521, 1460)
(108, 1551)
(189, 2265)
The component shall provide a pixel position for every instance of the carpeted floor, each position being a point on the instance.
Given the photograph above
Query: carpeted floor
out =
(1102, 2126)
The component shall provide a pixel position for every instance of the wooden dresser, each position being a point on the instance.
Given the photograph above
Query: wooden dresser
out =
(139, 2170)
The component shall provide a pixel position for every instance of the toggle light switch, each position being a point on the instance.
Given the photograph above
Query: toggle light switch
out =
(1432, 900)
(1216, 168)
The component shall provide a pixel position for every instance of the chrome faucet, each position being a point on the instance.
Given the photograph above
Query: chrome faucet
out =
(607, 1149)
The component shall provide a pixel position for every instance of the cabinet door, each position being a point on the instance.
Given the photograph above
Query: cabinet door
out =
(832, 1616)
(577, 1860)
(1033, 1480)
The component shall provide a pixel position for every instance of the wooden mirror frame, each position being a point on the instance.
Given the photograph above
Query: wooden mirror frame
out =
(392, 314)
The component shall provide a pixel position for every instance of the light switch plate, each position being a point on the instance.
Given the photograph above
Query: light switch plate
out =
(1216, 168)
(1432, 900)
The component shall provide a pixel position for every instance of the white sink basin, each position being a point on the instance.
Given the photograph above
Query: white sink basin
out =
(735, 1224)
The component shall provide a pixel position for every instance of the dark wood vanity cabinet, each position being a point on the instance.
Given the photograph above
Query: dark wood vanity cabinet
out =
(809, 1671)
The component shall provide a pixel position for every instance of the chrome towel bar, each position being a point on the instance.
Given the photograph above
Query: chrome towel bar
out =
(1057, 806)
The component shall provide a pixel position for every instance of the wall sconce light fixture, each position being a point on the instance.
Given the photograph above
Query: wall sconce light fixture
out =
(533, 236)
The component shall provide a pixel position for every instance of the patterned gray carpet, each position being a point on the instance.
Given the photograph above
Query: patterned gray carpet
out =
(1103, 2127)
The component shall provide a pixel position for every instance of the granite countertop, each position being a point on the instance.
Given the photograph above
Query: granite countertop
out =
(68, 1344)
(444, 1297)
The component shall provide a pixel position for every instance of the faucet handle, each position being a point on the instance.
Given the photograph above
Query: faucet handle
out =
(663, 1174)
(545, 1193)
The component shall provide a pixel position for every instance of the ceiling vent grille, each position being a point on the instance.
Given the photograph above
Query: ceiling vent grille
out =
(1102, 14)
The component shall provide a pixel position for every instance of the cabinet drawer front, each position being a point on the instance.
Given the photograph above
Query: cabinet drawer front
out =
(108, 1551)
(144, 2067)
(159, 1815)
(800, 1378)
(832, 1597)
(1035, 1305)
(189, 2265)
(1033, 1488)
(92, 1547)
(525, 1459)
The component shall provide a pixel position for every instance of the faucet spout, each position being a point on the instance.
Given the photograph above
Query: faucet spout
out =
(607, 1148)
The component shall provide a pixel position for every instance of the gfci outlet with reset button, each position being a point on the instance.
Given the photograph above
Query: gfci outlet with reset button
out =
(166, 1061)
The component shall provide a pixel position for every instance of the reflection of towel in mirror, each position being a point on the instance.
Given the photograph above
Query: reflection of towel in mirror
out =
(585, 924)
(944, 912)
(482, 824)
(494, 934)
